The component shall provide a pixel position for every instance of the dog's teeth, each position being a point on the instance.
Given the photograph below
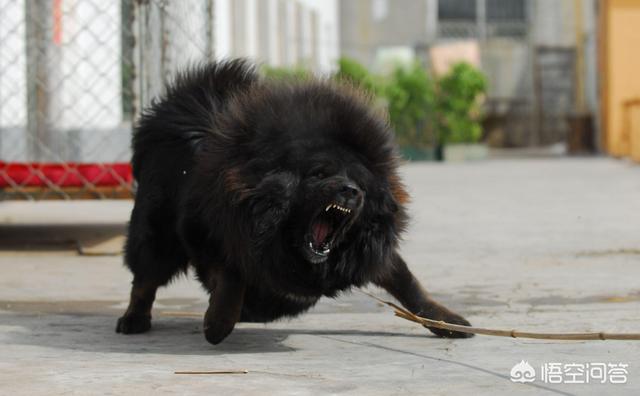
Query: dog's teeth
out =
(337, 207)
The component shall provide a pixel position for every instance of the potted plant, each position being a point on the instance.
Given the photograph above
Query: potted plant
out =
(410, 101)
(353, 72)
(433, 118)
(459, 95)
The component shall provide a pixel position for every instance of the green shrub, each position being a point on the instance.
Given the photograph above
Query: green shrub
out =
(352, 71)
(458, 104)
(410, 96)
(423, 112)
(407, 93)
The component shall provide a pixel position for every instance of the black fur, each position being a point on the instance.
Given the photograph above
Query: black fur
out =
(234, 175)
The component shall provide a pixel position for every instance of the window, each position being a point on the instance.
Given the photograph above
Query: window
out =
(482, 18)
(506, 18)
(457, 10)
(505, 10)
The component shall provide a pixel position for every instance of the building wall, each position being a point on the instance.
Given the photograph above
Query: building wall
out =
(552, 22)
(621, 62)
(370, 26)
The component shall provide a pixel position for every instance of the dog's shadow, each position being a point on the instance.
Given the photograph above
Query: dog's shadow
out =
(170, 336)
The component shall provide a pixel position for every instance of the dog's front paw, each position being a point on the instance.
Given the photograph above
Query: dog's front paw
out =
(216, 332)
(451, 318)
(132, 324)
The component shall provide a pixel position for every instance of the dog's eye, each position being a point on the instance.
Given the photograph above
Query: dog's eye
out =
(318, 173)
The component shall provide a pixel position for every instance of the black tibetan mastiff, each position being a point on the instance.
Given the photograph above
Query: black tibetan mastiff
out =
(277, 193)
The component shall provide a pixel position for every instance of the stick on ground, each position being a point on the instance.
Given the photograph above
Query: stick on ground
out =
(405, 314)
(213, 372)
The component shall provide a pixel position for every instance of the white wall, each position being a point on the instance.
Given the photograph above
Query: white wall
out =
(187, 28)
(329, 32)
(287, 43)
(222, 28)
(86, 80)
(12, 65)
(83, 86)
(13, 83)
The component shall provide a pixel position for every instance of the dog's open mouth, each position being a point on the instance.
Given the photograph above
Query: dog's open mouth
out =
(325, 227)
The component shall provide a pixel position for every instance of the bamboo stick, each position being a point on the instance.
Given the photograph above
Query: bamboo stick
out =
(405, 314)
(213, 372)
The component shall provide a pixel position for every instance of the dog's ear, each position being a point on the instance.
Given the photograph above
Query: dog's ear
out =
(398, 190)
(276, 189)
(394, 195)
(278, 185)
(270, 202)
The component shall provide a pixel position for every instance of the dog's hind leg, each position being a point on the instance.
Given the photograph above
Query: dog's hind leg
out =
(154, 257)
(137, 318)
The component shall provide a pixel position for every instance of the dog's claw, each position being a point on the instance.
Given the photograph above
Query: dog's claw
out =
(130, 324)
(453, 319)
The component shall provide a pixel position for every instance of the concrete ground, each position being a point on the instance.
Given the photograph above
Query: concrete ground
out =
(539, 244)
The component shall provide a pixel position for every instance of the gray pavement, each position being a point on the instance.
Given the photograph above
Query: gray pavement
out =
(539, 244)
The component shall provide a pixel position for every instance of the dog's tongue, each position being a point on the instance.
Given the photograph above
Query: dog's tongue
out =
(320, 231)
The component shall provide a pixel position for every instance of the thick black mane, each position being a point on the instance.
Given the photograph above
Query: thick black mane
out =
(276, 193)
(204, 149)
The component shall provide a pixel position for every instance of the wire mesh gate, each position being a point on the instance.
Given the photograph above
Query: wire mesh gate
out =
(74, 74)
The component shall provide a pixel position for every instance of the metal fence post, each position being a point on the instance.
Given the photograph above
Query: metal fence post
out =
(38, 31)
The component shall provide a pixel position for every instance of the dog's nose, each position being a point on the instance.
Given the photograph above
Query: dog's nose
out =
(350, 190)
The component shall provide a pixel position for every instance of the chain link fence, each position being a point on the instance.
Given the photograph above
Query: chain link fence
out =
(73, 76)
